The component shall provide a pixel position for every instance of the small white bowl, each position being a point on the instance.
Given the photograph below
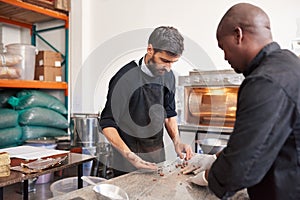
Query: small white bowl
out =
(212, 145)
(110, 191)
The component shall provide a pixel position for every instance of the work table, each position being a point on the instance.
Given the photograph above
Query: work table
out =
(141, 185)
(73, 159)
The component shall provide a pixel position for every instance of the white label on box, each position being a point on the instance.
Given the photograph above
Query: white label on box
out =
(41, 77)
(57, 64)
(41, 62)
(58, 78)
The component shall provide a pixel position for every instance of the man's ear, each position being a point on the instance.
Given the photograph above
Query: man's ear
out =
(238, 34)
(150, 50)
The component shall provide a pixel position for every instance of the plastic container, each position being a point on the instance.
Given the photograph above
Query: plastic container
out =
(66, 185)
(28, 53)
(8, 69)
(8, 59)
(46, 178)
(87, 166)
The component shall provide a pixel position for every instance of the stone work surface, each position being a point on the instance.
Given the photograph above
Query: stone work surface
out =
(167, 184)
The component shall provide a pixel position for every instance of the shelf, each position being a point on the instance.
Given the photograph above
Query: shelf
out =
(22, 13)
(27, 15)
(12, 83)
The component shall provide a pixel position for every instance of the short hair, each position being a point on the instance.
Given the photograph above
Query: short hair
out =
(167, 38)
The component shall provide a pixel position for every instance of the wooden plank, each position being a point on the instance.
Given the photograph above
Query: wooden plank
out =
(16, 83)
(13, 8)
(8, 21)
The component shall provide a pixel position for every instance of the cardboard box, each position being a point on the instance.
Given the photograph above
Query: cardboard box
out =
(48, 58)
(57, 5)
(48, 74)
(62, 5)
(43, 3)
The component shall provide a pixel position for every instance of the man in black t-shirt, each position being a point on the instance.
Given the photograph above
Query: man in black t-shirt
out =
(140, 102)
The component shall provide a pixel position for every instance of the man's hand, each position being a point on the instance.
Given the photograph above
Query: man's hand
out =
(181, 148)
(199, 162)
(199, 179)
(139, 163)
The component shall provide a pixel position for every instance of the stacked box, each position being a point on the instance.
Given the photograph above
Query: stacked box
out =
(48, 59)
(63, 5)
(57, 5)
(48, 66)
(48, 74)
(43, 3)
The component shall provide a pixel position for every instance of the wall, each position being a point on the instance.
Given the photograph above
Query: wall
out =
(14, 34)
(10, 34)
(55, 37)
(105, 34)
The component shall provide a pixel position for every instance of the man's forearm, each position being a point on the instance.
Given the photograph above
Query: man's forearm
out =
(172, 129)
(114, 138)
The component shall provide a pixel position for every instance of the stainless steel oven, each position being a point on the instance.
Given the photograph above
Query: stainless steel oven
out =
(209, 103)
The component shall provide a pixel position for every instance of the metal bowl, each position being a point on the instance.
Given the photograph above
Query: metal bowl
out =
(110, 191)
(212, 145)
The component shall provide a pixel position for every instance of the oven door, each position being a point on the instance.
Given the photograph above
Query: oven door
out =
(210, 106)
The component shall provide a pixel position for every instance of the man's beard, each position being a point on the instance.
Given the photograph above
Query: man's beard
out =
(152, 66)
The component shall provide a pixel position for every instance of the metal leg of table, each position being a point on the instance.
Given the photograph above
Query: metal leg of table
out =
(196, 145)
(95, 167)
(1, 193)
(25, 190)
(79, 174)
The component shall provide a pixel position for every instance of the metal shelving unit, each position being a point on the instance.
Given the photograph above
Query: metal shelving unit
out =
(26, 15)
(8, 83)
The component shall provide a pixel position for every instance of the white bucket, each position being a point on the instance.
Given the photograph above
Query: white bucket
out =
(28, 53)
(67, 185)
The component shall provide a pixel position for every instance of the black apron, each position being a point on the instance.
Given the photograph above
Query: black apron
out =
(151, 148)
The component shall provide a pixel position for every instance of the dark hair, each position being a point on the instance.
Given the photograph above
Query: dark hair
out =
(167, 38)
